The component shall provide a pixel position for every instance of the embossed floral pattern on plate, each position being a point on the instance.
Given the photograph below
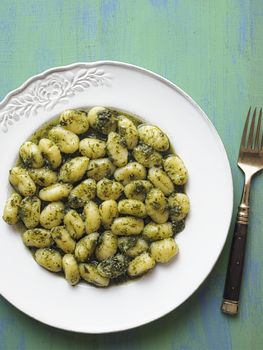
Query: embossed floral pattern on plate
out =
(48, 92)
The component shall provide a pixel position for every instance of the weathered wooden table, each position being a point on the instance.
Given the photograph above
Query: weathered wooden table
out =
(214, 51)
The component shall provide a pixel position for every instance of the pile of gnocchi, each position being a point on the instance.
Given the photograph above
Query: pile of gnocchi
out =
(100, 196)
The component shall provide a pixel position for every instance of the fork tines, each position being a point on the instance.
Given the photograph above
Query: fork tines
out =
(251, 142)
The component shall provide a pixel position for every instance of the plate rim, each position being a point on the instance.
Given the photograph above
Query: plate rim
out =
(179, 90)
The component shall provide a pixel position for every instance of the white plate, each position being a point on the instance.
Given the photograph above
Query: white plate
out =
(47, 297)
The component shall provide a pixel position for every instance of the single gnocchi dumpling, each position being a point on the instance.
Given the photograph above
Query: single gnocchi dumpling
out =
(63, 239)
(89, 272)
(107, 246)
(92, 148)
(86, 246)
(151, 135)
(74, 169)
(92, 217)
(179, 206)
(164, 250)
(82, 193)
(128, 131)
(141, 264)
(50, 152)
(131, 171)
(102, 120)
(37, 238)
(175, 168)
(153, 231)
(22, 182)
(66, 140)
(109, 189)
(11, 210)
(55, 192)
(132, 207)
(71, 269)
(147, 156)
(49, 258)
(31, 155)
(108, 212)
(75, 121)
(52, 215)
(74, 224)
(29, 211)
(43, 176)
(127, 225)
(138, 189)
(117, 150)
(100, 168)
(161, 180)
(157, 206)
(139, 247)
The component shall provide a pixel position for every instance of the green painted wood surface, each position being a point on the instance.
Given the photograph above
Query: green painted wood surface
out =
(210, 48)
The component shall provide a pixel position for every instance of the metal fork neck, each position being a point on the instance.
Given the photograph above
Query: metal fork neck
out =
(243, 211)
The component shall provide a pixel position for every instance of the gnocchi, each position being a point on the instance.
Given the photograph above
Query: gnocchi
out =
(11, 210)
(102, 119)
(52, 215)
(43, 176)
(50, 152)
(100, 168)
(82, 193)
(152, 136)
(71, 269)
(22, 182)
(137, 189)
(109, 189)
(73, 170)
(128, 131)
(92, 217)
(86, 246)
(108, 212)
(161, 180)
(89, 272)
(157, 206)
(117, 150)
(163, 251)
(127, 225)
(132, 207)
(141, 264)
(107, 246)
(92, 148)
(63, 239)
(131, 171)
(179, 206)
(37, 238)
(74, 224)
(66, 140)
(31, 155)
(100, 195)
(49, 258)
(176, 170)
(55, 192)
(74, 121)
(147, 156)
(29, 211)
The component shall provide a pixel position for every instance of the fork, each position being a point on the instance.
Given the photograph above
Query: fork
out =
(250, 161)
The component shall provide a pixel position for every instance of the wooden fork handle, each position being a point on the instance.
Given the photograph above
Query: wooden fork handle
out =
(235, 265)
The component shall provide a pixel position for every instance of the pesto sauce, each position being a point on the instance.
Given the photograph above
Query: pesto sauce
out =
(43, 131)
